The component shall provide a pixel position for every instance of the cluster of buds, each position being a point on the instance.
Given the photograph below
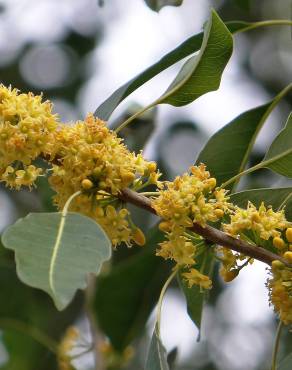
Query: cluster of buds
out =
(192, 197)
(27, 128)
(280, 289)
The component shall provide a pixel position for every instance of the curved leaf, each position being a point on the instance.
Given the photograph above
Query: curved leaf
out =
(157, 5)
(286, 363)
(188, 47)
(56, 253)
(202, 73)
(275, 197)
(225, 161)
(157, 357)
(279, 156)
(135, 285)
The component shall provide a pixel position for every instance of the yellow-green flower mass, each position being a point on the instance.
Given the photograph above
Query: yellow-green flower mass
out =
(89, 158)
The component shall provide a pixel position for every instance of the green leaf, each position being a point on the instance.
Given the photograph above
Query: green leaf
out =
(32, 308)
(225, 161)
(188, 47)
(157, 357)
(56, 253)
(202, 73)
(195, 297)
(275, 197)
(286, 363)
(279, 156)
(127, 295)
(156, 5)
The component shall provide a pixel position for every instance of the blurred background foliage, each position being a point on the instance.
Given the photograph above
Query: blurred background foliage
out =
(63, 49)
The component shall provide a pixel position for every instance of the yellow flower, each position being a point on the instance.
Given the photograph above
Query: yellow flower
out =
(194, 277)
(280, 287)
(264, 221)
(26, 132)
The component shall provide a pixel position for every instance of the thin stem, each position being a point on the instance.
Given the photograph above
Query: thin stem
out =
(276, 346)
(33, 332)
(159, 305)
(273, 22)
(285, 201)
(239, 175)
(130, 119)
(68, 202)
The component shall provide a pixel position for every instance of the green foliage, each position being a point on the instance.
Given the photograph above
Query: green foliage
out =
(279, 156)
(48, 245)
(188, 47)
(202, 73)
(226, 161)
(134, 287)
(157, 358)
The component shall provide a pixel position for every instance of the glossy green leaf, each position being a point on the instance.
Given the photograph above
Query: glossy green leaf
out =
(188, 47)
(157, 356)
(195, 297)
(56, 253)
(286, 363)
(134, 286)
(156, 5)
(227, 152)
(202, 73)
(279, 156)
(275, 197)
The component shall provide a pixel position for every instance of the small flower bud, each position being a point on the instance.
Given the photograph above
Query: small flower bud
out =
(219, 213)
(288, 256)
(230, 275)
(279, 243)
(152, 166)
(139, 237)
(86, 184)
(164, 226)
(289, 234)
(276, 265)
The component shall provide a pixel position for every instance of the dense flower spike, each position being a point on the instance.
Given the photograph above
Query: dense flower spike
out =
(190, 198)
(26, 131)
(89, 157)
(264, 221)
(280, 285)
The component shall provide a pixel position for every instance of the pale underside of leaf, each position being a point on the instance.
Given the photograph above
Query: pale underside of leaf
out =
(57, 254)
(157, 357)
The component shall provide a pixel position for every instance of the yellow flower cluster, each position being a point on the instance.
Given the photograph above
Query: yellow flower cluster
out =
(26, 130)
(190, 198)
(280, 286)
(89, 157)
(263, 221)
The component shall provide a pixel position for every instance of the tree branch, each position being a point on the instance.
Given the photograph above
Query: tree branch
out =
(209, 233)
